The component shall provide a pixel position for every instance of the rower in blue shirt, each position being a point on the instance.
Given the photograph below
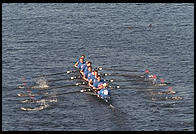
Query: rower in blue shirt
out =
(97, 82)
(87, 65)
(87, 73)
(92, 77)
(84, 67)
(79, 64)
(78, 61)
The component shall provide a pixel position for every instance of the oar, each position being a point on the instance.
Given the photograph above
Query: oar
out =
(33, 97)
(65, 72)
(72, 78)
(25, 85)
(32, 93)
(112, 69)
(33, 87)
(80, 91)
(130, 87)
(124, 75)
(77, 84)
(146, 81)
(166, 90)
(139, 78)
(112, 80)
(40, 99)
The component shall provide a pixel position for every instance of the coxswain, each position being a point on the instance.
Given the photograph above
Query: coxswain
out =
(104, 92)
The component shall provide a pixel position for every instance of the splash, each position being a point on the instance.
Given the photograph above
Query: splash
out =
(35, 109)
(42, 83)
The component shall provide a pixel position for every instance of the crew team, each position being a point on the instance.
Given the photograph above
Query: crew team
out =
(91, 75)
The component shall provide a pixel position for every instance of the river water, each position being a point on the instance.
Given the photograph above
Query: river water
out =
(48, 38)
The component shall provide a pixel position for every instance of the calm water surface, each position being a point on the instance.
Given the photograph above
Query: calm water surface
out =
(49, 38)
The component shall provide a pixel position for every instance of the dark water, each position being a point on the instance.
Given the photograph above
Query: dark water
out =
(48, 38)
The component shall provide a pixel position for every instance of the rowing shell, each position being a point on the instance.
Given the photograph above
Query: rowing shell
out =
(107, 101)
(105, 97)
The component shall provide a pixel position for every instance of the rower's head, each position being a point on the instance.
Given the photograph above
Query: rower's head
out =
(90, 68)
(82, 56)
(93, 72)
(98, 78)
(81, 60)
(88, 63)
(96, 73)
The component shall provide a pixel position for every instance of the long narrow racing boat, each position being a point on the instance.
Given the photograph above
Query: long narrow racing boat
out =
(105, 95)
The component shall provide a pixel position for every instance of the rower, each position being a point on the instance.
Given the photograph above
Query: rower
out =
(82, 56)
(87, 73)
(104, 92)
(79, 64)
(78, 61)
(84, 67)
(97, 82)
(92, 77)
